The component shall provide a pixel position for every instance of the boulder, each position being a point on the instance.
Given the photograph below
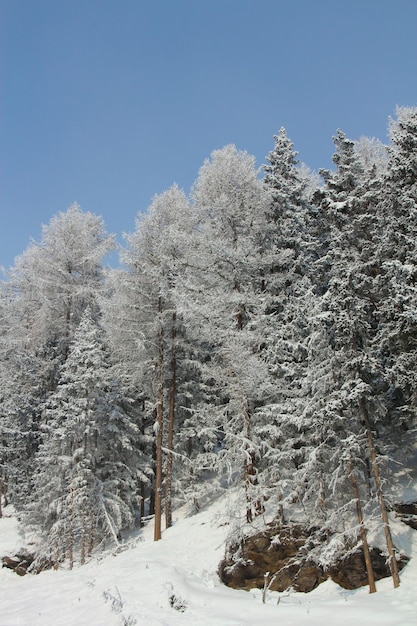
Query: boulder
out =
(19, 563)
(350, 571)
(278, 557)
(407, 512)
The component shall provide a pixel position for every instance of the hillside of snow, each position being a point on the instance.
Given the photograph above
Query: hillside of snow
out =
(174, 581)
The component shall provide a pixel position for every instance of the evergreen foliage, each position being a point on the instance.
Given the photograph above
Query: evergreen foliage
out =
(89, 461)
(261, 333)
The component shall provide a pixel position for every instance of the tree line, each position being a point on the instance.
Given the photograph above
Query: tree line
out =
(260, 333)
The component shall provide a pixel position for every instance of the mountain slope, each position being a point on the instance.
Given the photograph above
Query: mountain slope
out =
(174, 581)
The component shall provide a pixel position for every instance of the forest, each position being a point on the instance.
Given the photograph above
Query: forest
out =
(259, 336)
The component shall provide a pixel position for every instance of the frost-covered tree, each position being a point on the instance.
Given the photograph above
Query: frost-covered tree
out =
(6, 424)
(227, 281)
(289, 305)
(152, 336)
(373, 155)
(397, 330)
(351, 407)
(56, 279)
(89, 465)
(48, 289)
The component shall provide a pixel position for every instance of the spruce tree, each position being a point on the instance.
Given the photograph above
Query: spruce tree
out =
(349, 204)
(289, 252)
(89, 465)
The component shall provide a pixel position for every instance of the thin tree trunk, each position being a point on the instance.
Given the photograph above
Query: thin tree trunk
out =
(249, 472)
(362, 529)
(374, 461)
(151, 510)
(171, 419)
(239, 314)
(142, 503)
(82, 539)
(159, 433)
(68, 326)
(57, 552)
(91, 535)
(70, 539)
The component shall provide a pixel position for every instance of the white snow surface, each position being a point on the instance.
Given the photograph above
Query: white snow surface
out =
(134, 587)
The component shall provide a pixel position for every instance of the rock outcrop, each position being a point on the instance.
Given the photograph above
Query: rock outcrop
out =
(19, 563)
(407, 512)
(279, 557)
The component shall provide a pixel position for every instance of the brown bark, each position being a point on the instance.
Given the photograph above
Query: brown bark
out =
(362, 530)
(82, 540)
(239, 314)
(249, 469)
(142, 503)
(57, 553)
(3, 490)
(383, 508)
(159, 433)
(90, 535)
(171, 420)
(70, 538)
(253, 508)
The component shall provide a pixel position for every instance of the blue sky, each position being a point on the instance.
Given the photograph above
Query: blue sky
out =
(108, 102)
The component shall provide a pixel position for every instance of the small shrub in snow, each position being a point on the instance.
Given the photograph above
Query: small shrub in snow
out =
(177, 603)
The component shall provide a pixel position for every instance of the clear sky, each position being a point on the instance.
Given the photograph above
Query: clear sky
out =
(108, 102)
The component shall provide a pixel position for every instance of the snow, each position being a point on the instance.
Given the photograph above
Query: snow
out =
(174, 581)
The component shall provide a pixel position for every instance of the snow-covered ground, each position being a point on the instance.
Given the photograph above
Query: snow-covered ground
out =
(174, 582)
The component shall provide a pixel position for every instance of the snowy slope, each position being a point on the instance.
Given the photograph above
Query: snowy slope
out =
(140, 584)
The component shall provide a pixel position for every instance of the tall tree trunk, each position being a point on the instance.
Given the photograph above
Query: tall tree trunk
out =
(3, 492)
(374, 461)
(253, 507)
(90, 534)
(82, 539)
(70, 537)
(152, 484)
(159, 431)
(68, 326)
(57, 557)
(362, 530)
(249, 469)
(171, 419)
(142, 503)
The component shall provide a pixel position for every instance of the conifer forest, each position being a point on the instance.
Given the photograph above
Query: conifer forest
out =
(259, 335)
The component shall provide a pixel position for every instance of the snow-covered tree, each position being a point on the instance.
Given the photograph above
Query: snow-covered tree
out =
(226, 304)
(397, 329)
(152, 336)
(289, 305)
(48, 289)
(351, 407)
(89, 465)
(56, 279)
